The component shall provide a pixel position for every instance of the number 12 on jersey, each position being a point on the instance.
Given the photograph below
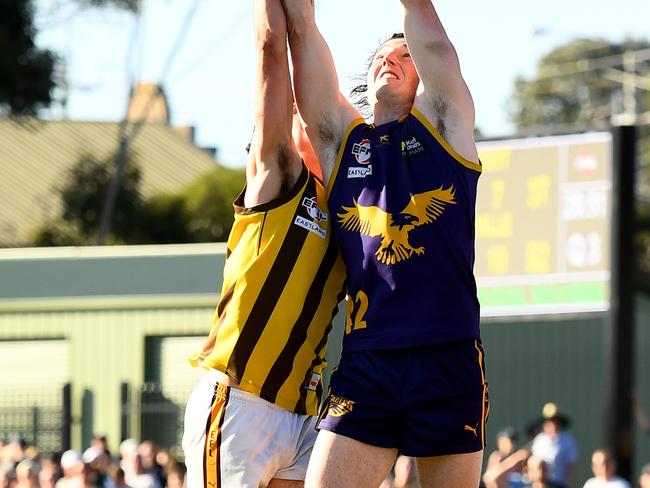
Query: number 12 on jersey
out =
(356, 309)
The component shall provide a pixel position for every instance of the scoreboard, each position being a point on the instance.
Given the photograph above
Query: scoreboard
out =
(543, 234)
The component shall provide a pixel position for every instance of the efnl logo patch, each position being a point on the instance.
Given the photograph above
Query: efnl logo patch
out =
(411, 147)
(316, 214)
(338, 406)
(313, 382)
(361, 151)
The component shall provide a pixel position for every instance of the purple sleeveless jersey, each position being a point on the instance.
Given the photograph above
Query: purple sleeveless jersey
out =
(402, 201)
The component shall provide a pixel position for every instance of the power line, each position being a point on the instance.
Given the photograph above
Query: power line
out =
(180, 39)
(126, 138)
(213, 47)
(582, 65)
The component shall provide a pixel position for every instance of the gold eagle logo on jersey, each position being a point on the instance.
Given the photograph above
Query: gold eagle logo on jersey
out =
(394, 229)
(338, 406)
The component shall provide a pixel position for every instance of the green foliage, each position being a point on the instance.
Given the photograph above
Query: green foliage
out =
(26, 79)
(163, 220)
(202, 212)
(85, 189)
(209, 203)
(59, 233)
(573, 86)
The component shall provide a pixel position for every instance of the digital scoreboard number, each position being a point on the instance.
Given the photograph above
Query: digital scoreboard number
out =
(543, 233)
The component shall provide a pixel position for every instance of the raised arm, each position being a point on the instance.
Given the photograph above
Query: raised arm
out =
(444, 97)
(325, 111)
(273, 164)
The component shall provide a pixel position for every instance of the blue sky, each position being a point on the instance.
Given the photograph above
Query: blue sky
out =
(209, 82)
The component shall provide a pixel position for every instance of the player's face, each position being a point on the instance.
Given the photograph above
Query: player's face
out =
(392, 72)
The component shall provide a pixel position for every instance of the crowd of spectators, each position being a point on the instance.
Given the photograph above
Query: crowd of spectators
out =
(549, 457)
(546, 459)
(137, 465)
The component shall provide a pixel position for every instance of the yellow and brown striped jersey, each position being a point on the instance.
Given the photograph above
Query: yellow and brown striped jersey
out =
(283, 280)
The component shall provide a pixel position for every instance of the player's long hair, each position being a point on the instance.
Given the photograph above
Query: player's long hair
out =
(359, 92)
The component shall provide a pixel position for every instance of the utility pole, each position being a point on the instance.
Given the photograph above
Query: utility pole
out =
(619, 329)
(629, 86)
(124, 138)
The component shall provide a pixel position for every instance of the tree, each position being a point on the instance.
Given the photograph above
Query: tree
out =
(202, 212)
(82, 199)
(573, 86)
(25, 71)
(209, 202)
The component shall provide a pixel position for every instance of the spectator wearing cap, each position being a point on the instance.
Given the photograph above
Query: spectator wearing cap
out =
(27, 474)
(97, 461)
(644, 478)
(603, 465)
(502, 463)
(75, 473)
(556, 447)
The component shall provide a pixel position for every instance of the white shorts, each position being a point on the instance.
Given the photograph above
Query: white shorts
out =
(235, 439)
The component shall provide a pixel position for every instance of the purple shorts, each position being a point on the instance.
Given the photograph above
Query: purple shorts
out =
(425, 401)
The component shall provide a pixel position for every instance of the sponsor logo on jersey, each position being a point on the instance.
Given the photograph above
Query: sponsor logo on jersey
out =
(385, 139)
(310, 226)
(316, 214)
(359, 171)
(313, 381)
(313, 210)
(338, 407)
(394, 228)
(361, 151)
(411, 147)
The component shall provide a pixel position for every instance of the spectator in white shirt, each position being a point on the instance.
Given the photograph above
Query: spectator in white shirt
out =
(603, 466)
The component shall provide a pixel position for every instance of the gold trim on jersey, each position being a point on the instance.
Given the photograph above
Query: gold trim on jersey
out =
(485, 402)
(465, 162)
(339, 156)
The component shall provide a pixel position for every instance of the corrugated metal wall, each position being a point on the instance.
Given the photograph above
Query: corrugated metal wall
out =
(106, 347)
(529, 363)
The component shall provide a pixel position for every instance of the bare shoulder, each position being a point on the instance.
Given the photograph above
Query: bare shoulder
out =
(270, 175)
(452, 118)
(330, 134)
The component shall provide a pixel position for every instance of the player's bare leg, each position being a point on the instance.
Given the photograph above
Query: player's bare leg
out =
(453, 471)
(342, 462)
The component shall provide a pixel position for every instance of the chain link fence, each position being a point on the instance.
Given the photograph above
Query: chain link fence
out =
(42, 417)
